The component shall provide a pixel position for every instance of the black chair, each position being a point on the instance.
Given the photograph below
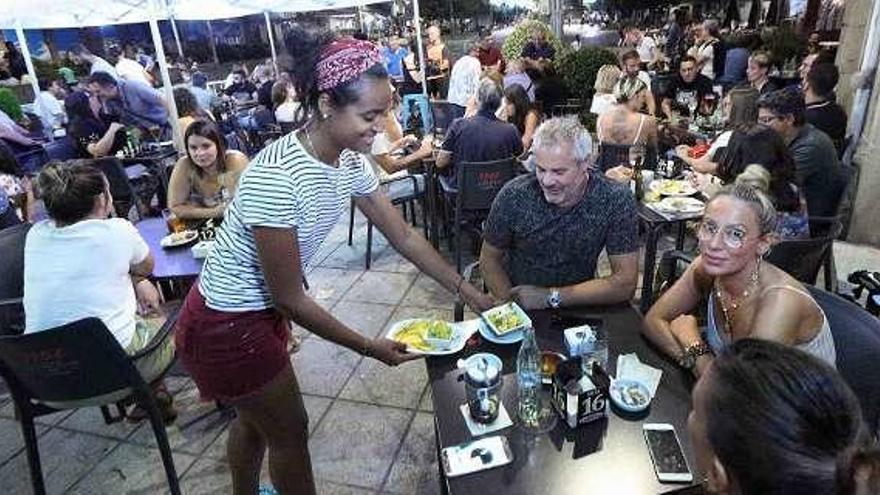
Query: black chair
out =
(478, 184)
(124, 195)
(287, 127)
(443, 114)
(82, 362)
(407, 200)
(856, 336)
(12, 279)
(803, 258)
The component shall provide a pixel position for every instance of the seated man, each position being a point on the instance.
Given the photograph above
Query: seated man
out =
(686, 90)
(820, 174)
(823, 112)
(241, 89)
(480, 138)
(545, 230)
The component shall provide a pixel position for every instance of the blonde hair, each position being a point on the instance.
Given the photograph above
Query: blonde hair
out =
(606, 78)
(751, 187)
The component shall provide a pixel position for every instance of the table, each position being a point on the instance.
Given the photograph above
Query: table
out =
(653, 222)
(170, 264)
(606, 456)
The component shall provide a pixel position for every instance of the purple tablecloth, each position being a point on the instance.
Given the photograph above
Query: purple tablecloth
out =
(171, 263)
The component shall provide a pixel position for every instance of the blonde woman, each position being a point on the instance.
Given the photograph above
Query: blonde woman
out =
(606, 78)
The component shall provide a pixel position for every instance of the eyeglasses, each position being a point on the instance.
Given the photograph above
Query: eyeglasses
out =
(733, 237)
(766, 120)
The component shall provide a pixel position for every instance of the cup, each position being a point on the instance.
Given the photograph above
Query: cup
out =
(172, 222)
(595, 351)
(647, 179)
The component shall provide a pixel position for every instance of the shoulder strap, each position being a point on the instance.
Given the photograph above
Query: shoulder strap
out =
(639, 131)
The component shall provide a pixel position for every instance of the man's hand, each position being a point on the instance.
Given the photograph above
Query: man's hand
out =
(529, 296)
(391, 352)
(475, 299)
(148, 298)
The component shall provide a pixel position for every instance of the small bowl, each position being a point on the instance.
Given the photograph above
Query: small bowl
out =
(630, 395)
(440, 344)
(549, 362)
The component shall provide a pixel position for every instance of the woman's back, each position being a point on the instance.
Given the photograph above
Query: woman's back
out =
(618, 131)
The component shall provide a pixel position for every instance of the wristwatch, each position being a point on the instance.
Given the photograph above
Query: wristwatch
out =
(554, 299)
(691, 353)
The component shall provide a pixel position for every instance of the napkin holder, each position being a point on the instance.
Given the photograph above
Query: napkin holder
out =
(580, 398)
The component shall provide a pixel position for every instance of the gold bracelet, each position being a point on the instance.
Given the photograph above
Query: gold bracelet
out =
(458, 286)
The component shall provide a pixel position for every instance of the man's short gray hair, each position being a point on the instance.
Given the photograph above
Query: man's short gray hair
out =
(489, 95)
(564, 131)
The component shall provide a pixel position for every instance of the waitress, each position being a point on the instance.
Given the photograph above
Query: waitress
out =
(234, 325)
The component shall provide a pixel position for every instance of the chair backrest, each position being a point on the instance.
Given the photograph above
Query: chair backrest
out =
(71, 362)
(120, 187)
(443, 115)
(479, 182)
(287, 127)
(803, 258)
(12, 261)
(856, 336)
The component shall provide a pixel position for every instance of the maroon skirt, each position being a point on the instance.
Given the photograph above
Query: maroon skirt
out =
(230, 355)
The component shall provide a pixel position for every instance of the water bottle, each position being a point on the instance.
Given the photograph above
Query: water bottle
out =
(528, 378)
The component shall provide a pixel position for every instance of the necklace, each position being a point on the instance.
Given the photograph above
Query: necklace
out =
(312, 146)
(734, 303)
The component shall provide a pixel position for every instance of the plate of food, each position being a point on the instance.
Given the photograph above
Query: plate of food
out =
(179, 239)
(504, 324)
(668, 187)
(430, 337)
(684, 205)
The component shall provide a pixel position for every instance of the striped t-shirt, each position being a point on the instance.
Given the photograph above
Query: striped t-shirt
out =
(284, 187)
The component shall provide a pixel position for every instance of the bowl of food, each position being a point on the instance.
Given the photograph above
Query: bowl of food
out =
(506, 319)
(549, 362)
(439, 334)
(630, 395)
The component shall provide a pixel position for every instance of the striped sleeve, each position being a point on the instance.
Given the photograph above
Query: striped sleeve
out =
(365, 181)
(267, 198)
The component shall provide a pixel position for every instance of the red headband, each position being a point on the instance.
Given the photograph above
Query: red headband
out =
(344, 60)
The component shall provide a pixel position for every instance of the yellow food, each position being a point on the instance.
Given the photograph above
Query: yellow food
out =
(672, 187)
(504, 319)
(413, 333)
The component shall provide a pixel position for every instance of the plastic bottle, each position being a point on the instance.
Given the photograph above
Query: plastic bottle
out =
(528, 378)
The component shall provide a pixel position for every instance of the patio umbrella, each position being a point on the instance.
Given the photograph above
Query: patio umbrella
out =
(772, 17)
(731, 14)
(755, 14)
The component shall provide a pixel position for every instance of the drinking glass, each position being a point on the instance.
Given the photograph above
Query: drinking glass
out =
(596, 352)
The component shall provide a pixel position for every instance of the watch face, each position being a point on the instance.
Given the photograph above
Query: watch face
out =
(554, 300)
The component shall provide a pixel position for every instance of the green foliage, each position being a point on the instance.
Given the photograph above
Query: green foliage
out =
(782, 43)
(10, 105)
(522, 33)
(578, 69)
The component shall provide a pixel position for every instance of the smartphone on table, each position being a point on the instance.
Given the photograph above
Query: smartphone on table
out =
(669, 461)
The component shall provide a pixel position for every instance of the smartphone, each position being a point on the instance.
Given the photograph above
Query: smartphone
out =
(470, 457)
(669, 461)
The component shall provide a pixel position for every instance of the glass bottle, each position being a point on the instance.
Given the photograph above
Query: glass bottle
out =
(528, 378)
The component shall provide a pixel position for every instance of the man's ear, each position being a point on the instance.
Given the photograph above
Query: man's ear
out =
(716, 478)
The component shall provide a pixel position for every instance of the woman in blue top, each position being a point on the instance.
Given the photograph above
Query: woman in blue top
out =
(746, 297)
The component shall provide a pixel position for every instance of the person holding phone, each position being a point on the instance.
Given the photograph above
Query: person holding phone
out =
(768, 418)
(234, 325)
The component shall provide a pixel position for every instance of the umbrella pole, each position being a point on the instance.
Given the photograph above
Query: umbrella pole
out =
(26, 54)
(176, 36)
(417, 20)
(271, 41)
(166, 78)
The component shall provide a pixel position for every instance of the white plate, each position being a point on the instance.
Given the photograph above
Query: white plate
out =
(685, 187)
(179, 239)
(461, 332)
(508, 338)
(680, 205)
(510, 306)
(615, 393)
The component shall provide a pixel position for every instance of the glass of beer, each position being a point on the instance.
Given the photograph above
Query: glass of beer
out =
(172, 221)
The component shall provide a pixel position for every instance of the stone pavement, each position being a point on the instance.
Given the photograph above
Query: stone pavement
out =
(371, 427)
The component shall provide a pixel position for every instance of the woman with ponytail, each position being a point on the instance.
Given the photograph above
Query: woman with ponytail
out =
(769, 419)
(234, 326)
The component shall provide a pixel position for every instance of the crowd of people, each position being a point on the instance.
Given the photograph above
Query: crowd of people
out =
(350, 103)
